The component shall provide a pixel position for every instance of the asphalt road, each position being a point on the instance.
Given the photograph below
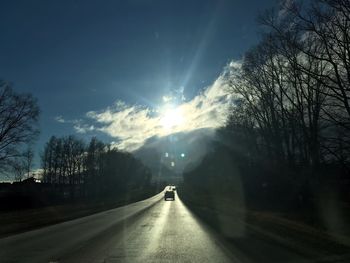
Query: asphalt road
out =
(152, 230)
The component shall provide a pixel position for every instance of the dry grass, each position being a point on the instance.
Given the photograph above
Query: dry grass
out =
(13, 222)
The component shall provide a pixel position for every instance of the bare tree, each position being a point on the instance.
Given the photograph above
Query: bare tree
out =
(90, 170)
(28, 156)
(319, 34)
(19, 170)
(18, 123)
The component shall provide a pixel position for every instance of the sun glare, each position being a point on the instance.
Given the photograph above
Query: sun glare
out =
(171, 118)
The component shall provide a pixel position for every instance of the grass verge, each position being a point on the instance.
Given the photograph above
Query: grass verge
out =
(14, 222)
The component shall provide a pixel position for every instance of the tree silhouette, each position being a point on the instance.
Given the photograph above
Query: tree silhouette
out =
(288, 129)
(93, 171)
(18, 123)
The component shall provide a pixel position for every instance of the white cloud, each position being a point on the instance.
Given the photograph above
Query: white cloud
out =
(131, 125)
(83, 128)
(59, 119)
(167, 98)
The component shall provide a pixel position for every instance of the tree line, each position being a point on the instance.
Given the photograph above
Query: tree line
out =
(293, 88)
(288, 130)
(95, 169)
(71, 168)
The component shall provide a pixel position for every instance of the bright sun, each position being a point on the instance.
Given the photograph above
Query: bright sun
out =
(171, 118)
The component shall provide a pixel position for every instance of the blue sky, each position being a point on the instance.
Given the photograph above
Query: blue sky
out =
(83, 59)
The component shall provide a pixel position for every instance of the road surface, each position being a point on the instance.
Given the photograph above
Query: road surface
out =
(152, 230)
